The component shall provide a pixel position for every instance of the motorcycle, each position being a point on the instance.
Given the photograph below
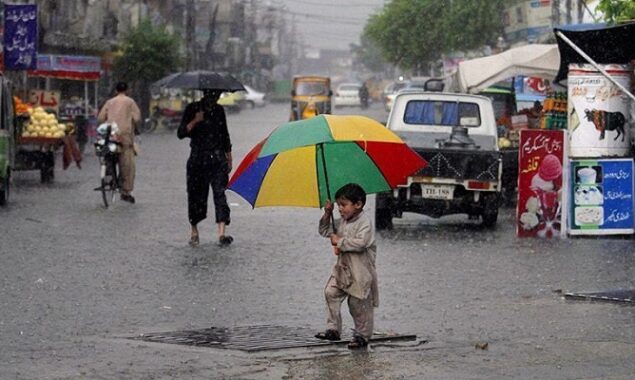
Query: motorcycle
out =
(165, 116)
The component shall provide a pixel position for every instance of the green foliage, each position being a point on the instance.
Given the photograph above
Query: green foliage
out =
(412, 33)
(616, 11)
(148, 53)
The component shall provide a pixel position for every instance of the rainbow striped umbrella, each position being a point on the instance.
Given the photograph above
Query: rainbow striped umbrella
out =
(302, 163)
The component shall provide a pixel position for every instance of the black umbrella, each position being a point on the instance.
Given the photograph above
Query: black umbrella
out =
(201, 80)
(604, 45)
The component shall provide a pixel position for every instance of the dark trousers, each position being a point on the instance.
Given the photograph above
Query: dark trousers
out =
(204, 171)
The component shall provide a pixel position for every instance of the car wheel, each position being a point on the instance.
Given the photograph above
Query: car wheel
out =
(4, 192)
(383, 219)
(251, 105)
(490, 209)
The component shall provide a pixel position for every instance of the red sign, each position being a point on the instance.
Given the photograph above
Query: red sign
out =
(540, 162)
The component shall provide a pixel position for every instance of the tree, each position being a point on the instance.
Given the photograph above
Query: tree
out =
(148, 53)
(413, 33)
(616, 11)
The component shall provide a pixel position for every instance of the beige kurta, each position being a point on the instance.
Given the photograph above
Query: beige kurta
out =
(122, 110)
(354, 271)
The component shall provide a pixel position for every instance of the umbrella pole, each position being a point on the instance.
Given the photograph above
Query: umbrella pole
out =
(326, 181)
(336, 250)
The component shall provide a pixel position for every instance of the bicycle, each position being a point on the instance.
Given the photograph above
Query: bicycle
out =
(107, 150)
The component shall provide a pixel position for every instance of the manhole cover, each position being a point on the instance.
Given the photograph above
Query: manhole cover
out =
(618, 296)
(255, 338)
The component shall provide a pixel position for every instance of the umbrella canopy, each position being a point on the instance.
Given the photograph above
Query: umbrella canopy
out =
(201, 80)
(603, 44)
(536, 60)
(303, 163)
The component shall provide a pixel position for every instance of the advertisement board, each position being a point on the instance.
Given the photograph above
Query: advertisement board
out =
(20, 36)
(541, 158)
(601, 196)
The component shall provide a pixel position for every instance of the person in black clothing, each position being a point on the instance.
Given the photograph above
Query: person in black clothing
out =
(363, 95)
(209, 163)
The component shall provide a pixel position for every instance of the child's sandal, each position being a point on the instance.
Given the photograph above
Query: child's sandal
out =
(357, 343)
(328, 335)
(194, 240)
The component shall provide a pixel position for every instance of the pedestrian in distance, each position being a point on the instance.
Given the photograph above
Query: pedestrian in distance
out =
(209, 163)
(122, 110)
(353, 276)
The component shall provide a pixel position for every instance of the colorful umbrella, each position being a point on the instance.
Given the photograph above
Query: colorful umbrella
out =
(303, 163)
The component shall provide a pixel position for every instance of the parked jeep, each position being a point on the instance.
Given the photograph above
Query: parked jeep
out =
(456, 135)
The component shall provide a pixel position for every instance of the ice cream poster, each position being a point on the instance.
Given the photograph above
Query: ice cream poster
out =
(540, 181)
(601, 197)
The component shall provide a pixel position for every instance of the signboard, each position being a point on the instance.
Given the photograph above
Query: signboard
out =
(601, 197)
(20, 36)
(540, 179)
(74, 67)
(598, 111)
(45, 99)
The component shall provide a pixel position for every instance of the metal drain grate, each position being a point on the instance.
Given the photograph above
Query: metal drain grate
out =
(618, 296)
(255, 338)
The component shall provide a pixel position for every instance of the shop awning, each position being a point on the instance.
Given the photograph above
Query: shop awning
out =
(603, 44)
(72, 67)
(530, 60)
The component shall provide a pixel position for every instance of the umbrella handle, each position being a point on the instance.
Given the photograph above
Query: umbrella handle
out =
(336, 250)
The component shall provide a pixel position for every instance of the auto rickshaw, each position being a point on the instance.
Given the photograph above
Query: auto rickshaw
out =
(310, 96)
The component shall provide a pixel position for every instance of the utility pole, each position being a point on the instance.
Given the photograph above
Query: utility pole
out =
(580, 9)
(209, 47)
(555, 13)
(568, 8)
(190, 42)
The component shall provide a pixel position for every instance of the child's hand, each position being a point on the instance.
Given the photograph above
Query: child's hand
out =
(334, 239)
(328, 207)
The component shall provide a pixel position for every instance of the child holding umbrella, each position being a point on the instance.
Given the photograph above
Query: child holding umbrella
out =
(353, 275)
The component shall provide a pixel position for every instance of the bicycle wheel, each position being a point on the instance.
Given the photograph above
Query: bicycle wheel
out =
(105, 184)
(109, 182)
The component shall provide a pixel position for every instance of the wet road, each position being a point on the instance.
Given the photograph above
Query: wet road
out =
(77, 278)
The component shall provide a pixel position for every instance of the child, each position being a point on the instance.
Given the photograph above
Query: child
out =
(353, 275)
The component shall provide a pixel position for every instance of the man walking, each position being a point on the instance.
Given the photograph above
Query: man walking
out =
(123, 111)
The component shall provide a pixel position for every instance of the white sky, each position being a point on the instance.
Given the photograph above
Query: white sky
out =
(330, 24)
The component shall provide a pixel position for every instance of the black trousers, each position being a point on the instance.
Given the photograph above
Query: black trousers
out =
(203, 171)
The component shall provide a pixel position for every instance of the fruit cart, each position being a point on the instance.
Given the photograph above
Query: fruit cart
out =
(39, 138)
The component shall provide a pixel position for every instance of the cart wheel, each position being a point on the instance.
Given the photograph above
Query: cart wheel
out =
(4, 192)
(47, 168)
(47, 174)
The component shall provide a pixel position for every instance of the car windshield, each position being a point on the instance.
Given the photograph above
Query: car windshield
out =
(351, 87)
(434, 112)
(311, 88)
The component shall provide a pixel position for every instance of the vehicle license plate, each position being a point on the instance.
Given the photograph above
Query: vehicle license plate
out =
(437, 191)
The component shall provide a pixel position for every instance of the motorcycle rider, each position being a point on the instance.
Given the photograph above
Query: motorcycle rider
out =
(363, 95)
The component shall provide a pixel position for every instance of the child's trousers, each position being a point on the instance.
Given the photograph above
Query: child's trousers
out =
(361, 310)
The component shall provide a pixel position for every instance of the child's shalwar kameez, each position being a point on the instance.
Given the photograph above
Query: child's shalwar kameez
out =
(353, 274)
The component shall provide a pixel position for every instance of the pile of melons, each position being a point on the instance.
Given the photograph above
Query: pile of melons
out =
(43, 124)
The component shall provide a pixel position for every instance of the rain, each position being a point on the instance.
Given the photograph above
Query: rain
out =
(489, 263)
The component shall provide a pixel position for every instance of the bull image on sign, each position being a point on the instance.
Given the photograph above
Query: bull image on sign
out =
(607, 121)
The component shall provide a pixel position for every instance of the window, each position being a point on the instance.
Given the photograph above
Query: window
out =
(311, 88)
(434, 112)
